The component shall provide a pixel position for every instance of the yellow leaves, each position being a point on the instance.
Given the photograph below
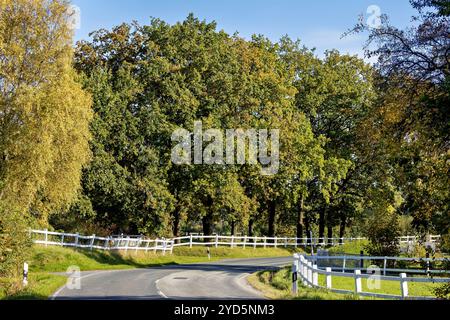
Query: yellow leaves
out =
(47, 131)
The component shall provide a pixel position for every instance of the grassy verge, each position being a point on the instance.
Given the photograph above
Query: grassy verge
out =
(277, 286)
(386, 287)
(41, 286)
(350, 248)
(56, 259)
(47, 260)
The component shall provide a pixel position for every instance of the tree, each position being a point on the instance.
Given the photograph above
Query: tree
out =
(44, 119)
(414, 106)
(336, 94)
(44, 113)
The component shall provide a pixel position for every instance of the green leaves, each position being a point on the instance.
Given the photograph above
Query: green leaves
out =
(44, 113)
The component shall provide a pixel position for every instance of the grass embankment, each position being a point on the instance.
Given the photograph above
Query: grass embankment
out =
(277, 285)
(46, 260)
(350, 248)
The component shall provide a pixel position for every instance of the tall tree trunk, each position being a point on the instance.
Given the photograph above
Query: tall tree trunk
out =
(342, 227)
(176, 223)
(250, 228)
(272, 212)
(300, 220)
(307, 229)
(330, 234)
(208, 219)
(207, 224)
(233, 228)
(322, 222)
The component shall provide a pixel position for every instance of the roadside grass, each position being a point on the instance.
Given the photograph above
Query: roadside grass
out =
(276, 285)
(57, 259)
(44, 261)
(386, 287)
(40, 287)
(350, 248)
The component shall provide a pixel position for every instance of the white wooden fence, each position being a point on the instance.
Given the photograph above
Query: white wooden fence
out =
(352, 263)
(306, 270)
(76, 240)
(140, 243)
(136, 243)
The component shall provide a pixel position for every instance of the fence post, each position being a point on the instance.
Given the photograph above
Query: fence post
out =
(404, 285)
(217, 240)
(62, 240)
(276, 242)
(190, 241)
(265, 242)
(310, 275)
(92, 241)
(329, 280)
(344, 264)
(46, 236)
(358, 282)
(171, 248)
(76, 240)
(315, 276)
(126, 244)
(25, 274)
(245, 242)
(285, 242)
(232, 242)
(148, 244)
(137, 246)
(254, 242)
(295, 275)
(305, 271)
(164, 246)
(385, 266)
(156, 245)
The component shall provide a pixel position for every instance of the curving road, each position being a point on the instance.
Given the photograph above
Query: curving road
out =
(223, 280)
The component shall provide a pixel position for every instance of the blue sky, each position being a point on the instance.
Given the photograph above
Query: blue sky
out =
(318, 23)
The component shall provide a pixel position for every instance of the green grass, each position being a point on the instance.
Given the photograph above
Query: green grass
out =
(47, 260)
(41, 286)
(57, 259)
(350, 248)
(386, 287)
(277, 285)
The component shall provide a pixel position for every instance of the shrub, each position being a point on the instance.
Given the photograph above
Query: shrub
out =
(383, 232)
(445, 243)
(15, 245)
(443, 292)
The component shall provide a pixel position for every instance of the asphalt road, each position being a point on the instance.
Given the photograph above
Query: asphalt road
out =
(223, 280)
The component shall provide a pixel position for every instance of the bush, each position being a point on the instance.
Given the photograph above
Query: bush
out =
(445, 243)
(443, 292)
(15, 245)
(383, 232)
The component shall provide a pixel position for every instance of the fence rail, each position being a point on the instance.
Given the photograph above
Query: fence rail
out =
(307, 270)
(140, 243)
(128, 243)
(343, 264)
